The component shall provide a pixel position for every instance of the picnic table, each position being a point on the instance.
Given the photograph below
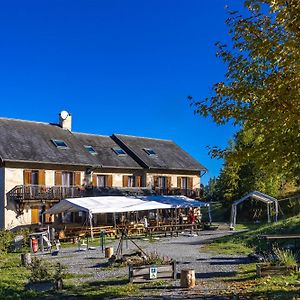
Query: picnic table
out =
(272, 238)
(174, 229)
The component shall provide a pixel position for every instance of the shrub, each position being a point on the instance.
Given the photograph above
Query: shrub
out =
(44, 271)
(6, 238)
(285, 257)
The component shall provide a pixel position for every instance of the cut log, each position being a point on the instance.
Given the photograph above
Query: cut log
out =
(26, 259)
(187, 278)
(109, 251)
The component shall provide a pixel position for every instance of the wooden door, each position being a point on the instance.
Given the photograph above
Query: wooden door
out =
(34, 215)
(27, 177)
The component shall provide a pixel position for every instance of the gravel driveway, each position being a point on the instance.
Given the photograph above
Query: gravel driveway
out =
(186, 250)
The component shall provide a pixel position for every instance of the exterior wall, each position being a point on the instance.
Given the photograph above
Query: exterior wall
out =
(14, 177)
(2, 196)
(150, 179)
(117, 178)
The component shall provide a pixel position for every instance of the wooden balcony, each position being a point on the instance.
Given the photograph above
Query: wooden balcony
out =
(22, 195)
(191, 193)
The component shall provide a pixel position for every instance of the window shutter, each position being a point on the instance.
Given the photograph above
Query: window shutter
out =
(27, 177)
(169, 182)
(155, 181)
(109, 179)
(77, 178)
(179, 182)
(125, 181)
(94, 180)
(58, 178)
(190, 183)
(42, 180)
(138, 181)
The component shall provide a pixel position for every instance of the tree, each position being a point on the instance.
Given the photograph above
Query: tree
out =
(262, 88)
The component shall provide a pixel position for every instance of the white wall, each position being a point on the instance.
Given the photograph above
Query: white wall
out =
(14, 177)
(2, 221)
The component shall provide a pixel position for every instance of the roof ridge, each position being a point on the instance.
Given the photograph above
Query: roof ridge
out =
(93, 134)
(143, 137)
(28, 121)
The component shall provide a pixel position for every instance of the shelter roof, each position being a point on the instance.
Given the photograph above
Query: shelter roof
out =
(116, 204)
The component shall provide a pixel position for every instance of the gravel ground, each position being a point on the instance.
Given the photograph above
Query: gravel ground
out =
(186, 250)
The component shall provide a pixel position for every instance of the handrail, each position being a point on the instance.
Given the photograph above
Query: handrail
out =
(42, 192)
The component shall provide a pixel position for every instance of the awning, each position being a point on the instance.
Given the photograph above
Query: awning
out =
(119, 204)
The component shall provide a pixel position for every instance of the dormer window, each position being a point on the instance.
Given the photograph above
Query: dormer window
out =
(60, 144)
(90, 149)
(119, 151)
(150, 151)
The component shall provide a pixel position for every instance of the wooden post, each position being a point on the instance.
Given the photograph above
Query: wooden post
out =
(26, 259)
(109, 251)
(187, 278)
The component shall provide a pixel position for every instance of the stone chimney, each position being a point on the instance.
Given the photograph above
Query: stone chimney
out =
(65, 120)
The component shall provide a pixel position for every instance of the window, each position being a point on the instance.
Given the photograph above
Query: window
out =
(149, 151)
(131, 181)
(60, 144)
(162, 182)
(35, 177)
(67, 179)
(90, 149)
(119, 151)
(101, 181)
(184, 183)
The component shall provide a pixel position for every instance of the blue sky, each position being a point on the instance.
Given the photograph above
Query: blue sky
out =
(119, 66)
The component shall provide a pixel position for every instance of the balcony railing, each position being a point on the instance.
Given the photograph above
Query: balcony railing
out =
(30, 193)
(41, 192)
(192, 193)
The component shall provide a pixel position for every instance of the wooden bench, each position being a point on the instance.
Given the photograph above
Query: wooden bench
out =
(272, 238)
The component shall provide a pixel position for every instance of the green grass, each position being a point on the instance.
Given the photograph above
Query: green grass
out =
(14, 277)
(247, 242)
(246, 284)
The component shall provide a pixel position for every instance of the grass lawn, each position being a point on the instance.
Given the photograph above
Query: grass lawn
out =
(14, 277)
(246, 284)
(247, 242)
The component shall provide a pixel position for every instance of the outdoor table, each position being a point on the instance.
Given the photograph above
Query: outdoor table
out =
(270, 239)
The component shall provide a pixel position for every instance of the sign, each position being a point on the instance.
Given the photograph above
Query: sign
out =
(153, 272)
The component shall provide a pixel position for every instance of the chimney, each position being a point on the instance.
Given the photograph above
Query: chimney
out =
(65, 120)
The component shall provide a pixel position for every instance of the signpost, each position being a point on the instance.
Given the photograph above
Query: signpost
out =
(153, 272)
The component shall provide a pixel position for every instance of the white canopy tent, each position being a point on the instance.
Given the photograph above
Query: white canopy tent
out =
(270, 201)
(120, 204)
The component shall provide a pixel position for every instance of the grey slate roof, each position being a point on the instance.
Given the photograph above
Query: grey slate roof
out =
(106, 157)
(168, 154)
(31, 142)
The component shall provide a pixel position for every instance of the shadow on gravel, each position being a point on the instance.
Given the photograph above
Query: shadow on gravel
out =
(214, 274)
(116, 282)
(234, 261)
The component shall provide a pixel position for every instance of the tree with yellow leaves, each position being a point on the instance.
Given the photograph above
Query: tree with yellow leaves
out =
(262, 87)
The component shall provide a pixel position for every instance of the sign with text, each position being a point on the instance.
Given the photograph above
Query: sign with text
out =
(153, 272)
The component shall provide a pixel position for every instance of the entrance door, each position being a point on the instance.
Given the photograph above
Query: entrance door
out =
(34, 215)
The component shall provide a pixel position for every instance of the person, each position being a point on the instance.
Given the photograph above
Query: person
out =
(198, 216)
(145, 221)
(181, 218)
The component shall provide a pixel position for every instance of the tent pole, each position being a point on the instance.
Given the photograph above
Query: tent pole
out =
(268, 212)
(209, 214)
(115, 223)
(91, 225)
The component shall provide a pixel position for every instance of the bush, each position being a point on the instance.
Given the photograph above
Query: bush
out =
(6, 238)
(44, 271)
